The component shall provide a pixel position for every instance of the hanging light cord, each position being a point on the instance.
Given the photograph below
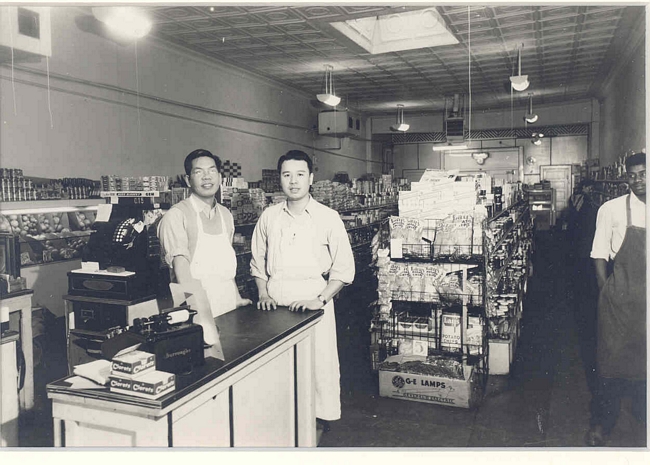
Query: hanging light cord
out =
(469, 70)
(137, 88)
(49, 99)
(11, 45)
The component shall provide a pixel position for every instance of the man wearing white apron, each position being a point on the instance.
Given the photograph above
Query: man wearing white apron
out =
(294, 245)
(196, 236)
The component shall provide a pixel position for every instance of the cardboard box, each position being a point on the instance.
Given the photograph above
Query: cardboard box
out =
(151, 385)
(502, 354)
(133, 363)
(465, 393)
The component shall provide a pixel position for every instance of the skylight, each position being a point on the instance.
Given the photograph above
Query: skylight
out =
(396, 32)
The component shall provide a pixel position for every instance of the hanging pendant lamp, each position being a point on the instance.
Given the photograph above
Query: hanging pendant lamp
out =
(519, 82)
(530, 116)
(400, 125)
(328, 97)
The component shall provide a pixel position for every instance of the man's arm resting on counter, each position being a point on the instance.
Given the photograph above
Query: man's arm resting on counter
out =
(265, 302)
(600, 265)
(333, 287)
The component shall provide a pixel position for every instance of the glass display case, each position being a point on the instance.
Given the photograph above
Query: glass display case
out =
(49, 230)
(542, 207)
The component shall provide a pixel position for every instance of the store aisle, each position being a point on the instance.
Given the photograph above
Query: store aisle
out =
(544, 402)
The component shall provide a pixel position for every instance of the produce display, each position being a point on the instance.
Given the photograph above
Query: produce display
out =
(49, 237)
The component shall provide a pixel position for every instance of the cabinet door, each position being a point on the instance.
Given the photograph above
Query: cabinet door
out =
(264, 405)
(8, 396)
(207, 425)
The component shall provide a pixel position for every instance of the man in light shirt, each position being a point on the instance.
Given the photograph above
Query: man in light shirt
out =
(301, 258)
(621, 342)
(196, 236)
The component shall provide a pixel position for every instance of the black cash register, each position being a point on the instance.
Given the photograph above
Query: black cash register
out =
(128, 252)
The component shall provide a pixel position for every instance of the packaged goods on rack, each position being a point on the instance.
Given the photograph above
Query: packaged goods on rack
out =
(135, 183)
(432, 365)
(457, 236)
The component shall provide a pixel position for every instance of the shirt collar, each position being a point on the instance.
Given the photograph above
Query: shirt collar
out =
(200, 206)
(634, 199)
(309, 208)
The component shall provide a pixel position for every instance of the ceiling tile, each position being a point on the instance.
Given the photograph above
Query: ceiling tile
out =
(563, 48)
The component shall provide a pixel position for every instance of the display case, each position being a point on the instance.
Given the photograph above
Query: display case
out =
(542, 207)
(49, 230)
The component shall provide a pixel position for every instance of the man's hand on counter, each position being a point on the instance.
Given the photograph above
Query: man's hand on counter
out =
(241, 302)
(304, 305)
(267, 303)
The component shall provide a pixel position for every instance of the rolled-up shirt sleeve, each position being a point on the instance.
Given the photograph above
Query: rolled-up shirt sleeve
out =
(343, 268)
(172, 233)
(602, 244)
(259, 246)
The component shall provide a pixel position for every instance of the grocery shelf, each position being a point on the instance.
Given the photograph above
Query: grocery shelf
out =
(47, 206)
(505, 234)
(365, 208)
(374, 223)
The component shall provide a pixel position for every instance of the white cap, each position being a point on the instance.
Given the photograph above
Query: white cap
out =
(4, 314)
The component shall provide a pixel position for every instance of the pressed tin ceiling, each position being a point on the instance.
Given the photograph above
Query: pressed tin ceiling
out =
(567, 50)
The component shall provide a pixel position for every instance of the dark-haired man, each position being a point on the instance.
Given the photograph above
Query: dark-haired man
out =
(295, 244)
(196, 236)
(621, 344)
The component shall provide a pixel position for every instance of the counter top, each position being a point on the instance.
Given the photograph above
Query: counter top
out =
(244, 332)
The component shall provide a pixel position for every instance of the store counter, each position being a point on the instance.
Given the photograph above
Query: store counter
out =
(262, 395)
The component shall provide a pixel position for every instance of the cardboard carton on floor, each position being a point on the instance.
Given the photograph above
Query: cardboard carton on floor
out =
(439, 390)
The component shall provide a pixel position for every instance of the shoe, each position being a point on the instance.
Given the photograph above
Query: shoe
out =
(595, 437)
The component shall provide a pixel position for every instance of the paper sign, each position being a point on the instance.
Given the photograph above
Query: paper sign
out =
(90, 266)
(104, 211)
(396, 248)
(139, 226)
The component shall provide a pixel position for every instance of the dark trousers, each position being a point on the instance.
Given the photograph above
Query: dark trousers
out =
(606, 401)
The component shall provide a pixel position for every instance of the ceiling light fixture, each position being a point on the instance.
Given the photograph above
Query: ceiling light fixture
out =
(537, 138)
(400, 125)
(480, 157)
(328, 97)
(530, 116)
(126, 21)
(519, 82)
(448, 146)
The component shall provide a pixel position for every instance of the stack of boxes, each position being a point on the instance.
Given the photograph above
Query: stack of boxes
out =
(135, 374)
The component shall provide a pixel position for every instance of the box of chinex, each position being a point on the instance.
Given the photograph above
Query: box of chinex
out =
(455, 392)
(150, 385)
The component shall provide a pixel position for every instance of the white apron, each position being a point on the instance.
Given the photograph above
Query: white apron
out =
(298, 277)
(215, 264)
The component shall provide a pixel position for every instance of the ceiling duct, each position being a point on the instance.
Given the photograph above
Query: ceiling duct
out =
(455, 118)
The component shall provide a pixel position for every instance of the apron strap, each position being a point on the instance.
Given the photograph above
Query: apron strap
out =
(629, 210)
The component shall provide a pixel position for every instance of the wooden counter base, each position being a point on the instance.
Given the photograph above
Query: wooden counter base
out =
(262, 396)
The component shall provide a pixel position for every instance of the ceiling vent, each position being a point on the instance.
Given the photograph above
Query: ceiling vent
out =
(339, 124)
(25, 33)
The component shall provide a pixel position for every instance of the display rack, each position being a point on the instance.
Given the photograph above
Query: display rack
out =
(490, 273)
(508, 251)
